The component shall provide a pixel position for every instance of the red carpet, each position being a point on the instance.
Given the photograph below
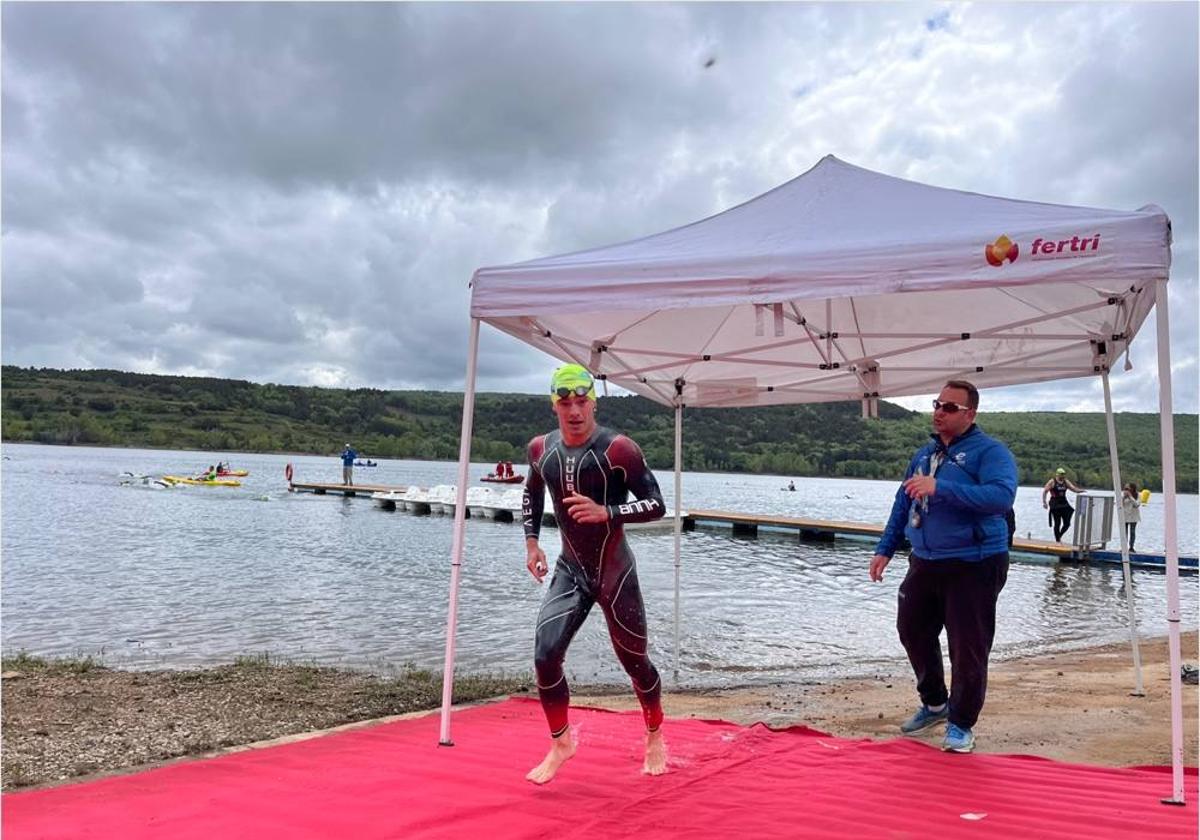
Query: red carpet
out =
(725, 781)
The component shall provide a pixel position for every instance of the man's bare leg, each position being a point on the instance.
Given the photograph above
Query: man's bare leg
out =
(561, 748)
(656, 754)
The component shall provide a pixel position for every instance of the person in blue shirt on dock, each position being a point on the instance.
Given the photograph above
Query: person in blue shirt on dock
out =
(951, 507)
(348, 456)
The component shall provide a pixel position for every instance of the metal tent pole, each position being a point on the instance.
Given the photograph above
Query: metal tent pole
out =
(678, 520)
(1167, 431)
(1115, 463)
(456, 549)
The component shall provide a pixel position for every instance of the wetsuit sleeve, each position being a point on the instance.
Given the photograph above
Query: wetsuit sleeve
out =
(625, 455)
(997, 487)
(893, 532)
(533, 499)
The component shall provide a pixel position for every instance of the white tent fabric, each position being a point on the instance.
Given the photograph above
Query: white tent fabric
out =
(792, 296)
(845, 284)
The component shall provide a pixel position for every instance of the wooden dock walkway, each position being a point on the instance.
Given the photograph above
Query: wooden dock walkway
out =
(823, 530)
(808, 530)
(344, 489)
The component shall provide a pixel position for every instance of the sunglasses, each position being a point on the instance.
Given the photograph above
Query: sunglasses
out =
(949, 407)
(578, 391)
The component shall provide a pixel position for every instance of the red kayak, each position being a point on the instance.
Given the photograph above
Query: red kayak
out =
(495, 479)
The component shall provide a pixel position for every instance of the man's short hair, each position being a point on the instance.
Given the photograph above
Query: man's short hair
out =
(972, 391)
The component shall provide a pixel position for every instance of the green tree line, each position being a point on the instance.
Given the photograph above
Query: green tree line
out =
(114, 408)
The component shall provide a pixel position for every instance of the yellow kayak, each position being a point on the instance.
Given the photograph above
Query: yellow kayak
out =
(219, 482)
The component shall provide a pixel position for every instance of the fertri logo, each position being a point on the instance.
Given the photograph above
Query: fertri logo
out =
(1000, 250)
(1004, 249)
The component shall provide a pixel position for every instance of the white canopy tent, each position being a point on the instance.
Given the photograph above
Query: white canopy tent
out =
(846, 284)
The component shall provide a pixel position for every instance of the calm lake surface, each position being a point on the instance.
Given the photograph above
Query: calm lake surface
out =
(196, 576)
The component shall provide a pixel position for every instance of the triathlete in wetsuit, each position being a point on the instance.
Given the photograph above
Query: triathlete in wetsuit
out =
(1059, 506)
(589, 472)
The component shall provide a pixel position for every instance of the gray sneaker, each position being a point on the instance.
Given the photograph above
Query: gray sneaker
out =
(958, 740)
(923, 718)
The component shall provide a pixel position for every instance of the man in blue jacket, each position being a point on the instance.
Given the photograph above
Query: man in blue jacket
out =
(951, 508)
(348, 456)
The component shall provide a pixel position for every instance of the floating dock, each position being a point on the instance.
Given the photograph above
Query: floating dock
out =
(821, 530)
(344, 489)
(808, 530)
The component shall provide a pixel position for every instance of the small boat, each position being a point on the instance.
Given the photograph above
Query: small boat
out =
(215, 482)
(365, 464)
(507, 479)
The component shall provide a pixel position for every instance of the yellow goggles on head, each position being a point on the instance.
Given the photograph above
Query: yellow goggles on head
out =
(572, 381)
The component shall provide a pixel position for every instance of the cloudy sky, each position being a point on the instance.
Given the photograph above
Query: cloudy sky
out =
(300, 193)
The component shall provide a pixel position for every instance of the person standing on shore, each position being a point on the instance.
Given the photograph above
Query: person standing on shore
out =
(348, 456)
(1060, 508)
(589, 472)
(1131, 508)
(951, 507)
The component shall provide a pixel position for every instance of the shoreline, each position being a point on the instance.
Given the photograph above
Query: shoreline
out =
(282, 453)
(73, 720)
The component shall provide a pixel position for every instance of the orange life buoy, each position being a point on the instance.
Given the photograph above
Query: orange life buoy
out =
(287, 471)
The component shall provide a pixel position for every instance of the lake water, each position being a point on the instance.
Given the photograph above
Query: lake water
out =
(196, 576)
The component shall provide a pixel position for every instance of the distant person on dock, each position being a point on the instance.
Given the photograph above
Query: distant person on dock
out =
(589, 471)
(1054, 498)
(951, 507)
(348, 456)
(1133, 515)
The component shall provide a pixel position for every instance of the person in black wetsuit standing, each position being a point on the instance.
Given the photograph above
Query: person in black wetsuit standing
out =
(589, 472)
(1054, 498)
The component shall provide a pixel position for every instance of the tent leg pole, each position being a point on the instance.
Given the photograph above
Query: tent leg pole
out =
(678, 523)
(456, 550)
(1167, 429)
(1115, 463)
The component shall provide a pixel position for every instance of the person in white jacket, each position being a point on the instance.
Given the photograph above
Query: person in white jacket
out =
(1131, 505)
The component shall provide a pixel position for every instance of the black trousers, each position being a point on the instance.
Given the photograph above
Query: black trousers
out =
(1131, 529)
(961, 597)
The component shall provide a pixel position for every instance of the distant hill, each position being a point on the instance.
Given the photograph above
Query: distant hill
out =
(112, 408)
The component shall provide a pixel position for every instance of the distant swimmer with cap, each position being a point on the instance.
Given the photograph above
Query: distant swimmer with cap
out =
(589, 471)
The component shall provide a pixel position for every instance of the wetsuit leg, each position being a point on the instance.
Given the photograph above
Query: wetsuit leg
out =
(621, 599)
(568, 601)
(1062, 521)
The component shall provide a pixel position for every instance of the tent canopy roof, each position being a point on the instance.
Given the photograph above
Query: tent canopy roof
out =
(841, 284)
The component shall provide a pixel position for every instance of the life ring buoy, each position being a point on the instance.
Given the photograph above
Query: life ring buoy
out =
(287, 472)
(1144, 497)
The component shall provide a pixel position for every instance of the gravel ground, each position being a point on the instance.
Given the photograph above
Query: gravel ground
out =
(70, 718)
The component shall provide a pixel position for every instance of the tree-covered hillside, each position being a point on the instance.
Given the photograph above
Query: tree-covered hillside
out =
(112, 408)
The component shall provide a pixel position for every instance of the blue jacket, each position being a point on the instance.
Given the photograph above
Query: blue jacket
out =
(348, 456)
(976, 487)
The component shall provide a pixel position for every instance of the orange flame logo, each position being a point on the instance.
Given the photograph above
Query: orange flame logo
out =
(1000, 250)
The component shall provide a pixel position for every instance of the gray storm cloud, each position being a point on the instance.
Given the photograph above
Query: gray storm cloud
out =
(300, 193)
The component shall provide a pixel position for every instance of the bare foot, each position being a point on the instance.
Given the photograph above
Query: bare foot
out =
(656, 754)
(561, 748)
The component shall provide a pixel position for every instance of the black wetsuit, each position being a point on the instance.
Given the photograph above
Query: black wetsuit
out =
(1060, 509)
(596, 565)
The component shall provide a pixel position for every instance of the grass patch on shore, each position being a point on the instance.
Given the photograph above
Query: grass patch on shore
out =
(24, 661)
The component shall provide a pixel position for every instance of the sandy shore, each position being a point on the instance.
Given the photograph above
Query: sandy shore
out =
(1074, 706)
(62, 721)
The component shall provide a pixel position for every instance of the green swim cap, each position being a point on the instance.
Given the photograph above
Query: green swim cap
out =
(1060, 471)
(570, 379)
